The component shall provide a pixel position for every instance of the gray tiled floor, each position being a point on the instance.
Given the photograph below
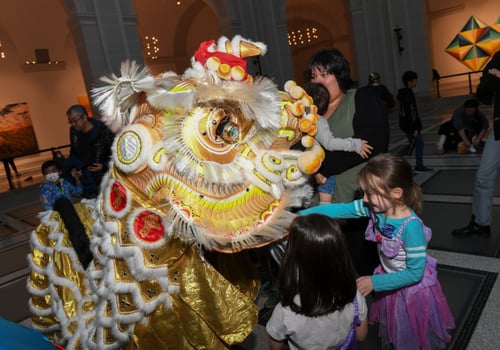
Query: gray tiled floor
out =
(444, 209)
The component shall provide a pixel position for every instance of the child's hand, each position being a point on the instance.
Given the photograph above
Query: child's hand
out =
(320, 179)
(365, 285)
(76, 173)
(366, 149)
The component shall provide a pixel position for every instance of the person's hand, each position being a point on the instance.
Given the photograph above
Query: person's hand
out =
(320, 179)
(365, 285)
(96, 167)
(366, 149)
(76, 173)
(495, 72)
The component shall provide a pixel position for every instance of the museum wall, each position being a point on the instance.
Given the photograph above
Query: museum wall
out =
(446, 19)
(47, 89)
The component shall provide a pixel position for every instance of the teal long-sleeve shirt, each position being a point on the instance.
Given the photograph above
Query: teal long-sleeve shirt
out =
(413, 237)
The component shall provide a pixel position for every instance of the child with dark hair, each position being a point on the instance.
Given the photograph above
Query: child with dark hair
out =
(325, 138)
(56, 194)
(410, 122)
(56, 187)
(320, 307)
(409, 304)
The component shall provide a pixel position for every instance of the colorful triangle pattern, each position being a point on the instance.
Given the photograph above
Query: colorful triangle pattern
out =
(475, 43)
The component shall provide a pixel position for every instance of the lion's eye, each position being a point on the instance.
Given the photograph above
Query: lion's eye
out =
(228, 131)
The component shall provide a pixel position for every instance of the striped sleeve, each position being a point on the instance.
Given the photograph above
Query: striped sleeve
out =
(350, 210)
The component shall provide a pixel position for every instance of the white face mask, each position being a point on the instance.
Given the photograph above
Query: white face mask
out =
(52, 177)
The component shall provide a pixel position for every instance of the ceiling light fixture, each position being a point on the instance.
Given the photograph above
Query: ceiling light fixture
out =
(303, 37)
(152, 48)
(2, 52)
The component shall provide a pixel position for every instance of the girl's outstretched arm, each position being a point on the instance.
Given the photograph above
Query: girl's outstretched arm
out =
(350, 210)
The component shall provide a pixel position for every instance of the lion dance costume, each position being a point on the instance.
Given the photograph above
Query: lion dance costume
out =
(202, 170)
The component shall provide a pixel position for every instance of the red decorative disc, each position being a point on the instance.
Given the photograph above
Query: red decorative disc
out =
(148, 226)
(117, 196)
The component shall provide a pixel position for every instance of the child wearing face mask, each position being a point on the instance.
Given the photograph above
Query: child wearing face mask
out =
(56, 194)
(56, 187)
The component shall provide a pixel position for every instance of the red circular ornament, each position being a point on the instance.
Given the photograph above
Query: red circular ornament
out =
(117, 196)
(148, 226)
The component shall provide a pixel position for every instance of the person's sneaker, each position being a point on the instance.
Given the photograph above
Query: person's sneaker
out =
(421, 169)
(472, 229)
(472, 149)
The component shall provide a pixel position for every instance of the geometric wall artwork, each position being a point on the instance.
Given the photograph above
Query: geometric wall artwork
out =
(475, 43)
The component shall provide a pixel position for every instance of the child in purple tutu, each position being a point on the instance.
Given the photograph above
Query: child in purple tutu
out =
(409, 304)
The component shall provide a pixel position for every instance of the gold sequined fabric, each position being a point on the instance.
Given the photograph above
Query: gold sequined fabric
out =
(207, 313)
(206, 310)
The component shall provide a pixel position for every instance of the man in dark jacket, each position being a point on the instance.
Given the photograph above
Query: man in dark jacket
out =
(410, 122)
(90, 149)
(486, 175)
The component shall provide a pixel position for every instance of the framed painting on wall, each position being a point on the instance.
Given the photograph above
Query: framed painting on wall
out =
(17, 135)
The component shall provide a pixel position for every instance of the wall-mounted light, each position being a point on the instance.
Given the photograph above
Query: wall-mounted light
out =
(399, 37)
(42, 62)
(50, 62)
(42, 56)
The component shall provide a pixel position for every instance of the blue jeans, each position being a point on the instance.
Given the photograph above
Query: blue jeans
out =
(484, 185)
(329, 186)
(419, 149)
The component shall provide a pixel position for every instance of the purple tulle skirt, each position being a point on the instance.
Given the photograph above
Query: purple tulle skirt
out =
(414, 317)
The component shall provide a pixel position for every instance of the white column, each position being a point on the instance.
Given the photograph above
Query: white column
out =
(105, 34)
(374, 25)
(259, 20)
